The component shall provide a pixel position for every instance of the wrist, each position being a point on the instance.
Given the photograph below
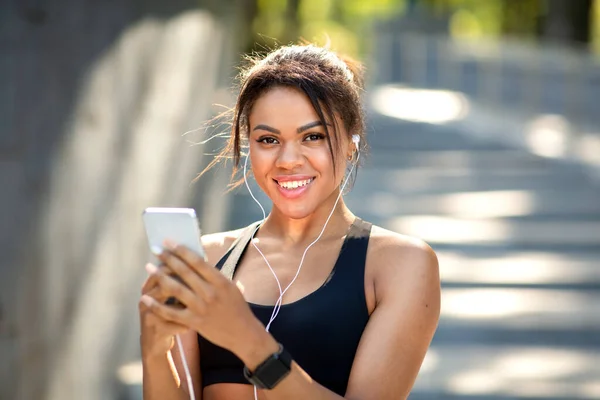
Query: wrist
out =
(257, 348)
(154, 359)
(155, 350)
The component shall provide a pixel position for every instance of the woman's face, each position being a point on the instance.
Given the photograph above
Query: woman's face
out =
(290, 156)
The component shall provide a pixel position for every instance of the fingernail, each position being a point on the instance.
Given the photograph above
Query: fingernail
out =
(146, 300)
(156, 250)
(169, 244)
(151, 268)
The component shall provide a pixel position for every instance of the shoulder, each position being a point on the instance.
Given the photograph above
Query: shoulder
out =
(387, 246)
(216, 244)
(404, 278)
(398, 261)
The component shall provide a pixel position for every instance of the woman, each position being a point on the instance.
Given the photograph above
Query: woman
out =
(356, 322)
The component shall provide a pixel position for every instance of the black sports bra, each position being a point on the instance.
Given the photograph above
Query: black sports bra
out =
(321, 330)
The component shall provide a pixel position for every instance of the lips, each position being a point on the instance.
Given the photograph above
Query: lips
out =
(293, 187)
(294, 184)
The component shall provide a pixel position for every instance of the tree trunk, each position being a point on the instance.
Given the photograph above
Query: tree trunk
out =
(567, 21)
(292, 33)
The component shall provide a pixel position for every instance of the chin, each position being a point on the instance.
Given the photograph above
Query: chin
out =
(299, 212)
(299, 209)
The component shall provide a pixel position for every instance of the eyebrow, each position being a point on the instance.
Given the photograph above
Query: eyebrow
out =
(278, 132)
(266, 128)
(308, 126)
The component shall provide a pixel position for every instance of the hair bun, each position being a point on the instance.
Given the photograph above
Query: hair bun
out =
(356, 68)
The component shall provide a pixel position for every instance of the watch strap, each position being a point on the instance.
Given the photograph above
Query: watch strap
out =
(271, 371)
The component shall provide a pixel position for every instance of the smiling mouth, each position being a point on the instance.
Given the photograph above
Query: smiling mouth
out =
(291, 185)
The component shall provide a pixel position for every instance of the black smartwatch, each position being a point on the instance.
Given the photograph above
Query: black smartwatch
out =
(271, 371)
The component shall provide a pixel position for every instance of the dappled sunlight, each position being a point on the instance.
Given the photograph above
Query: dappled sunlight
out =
(548, 135)
(541, 363)
(431, 361)
(590, 388)
(523, 308)
(527, 372)
(450, 230)
(501, 203)
(131, 373)
(438, 229)
(483, 303)
(519, 268)
(588, 147)
(520, 371)
(475, 382)
(419, 105)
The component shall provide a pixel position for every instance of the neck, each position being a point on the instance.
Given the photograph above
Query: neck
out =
(296, 231)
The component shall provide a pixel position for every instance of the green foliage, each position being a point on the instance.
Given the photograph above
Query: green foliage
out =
(595, 36)
(342, 23)
(345, 23)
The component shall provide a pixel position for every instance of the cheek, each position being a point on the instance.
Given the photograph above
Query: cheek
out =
(332, 177)
(340, 171)
(260, 163)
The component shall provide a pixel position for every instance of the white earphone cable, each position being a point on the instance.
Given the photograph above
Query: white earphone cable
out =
(188, 376)
(280, 300)
(278, 303)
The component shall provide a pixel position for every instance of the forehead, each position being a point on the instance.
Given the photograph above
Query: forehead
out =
(283, 106)
(288, 108)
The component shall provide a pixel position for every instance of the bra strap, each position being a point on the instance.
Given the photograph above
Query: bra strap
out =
(359, 230)
(236, 250)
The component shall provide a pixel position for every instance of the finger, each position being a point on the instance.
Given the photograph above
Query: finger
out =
(187, 274)
(160, 326)
(158, 294)
(151, 280)
(166, 328)
(170, 286)
(180, 316)
(193, 259)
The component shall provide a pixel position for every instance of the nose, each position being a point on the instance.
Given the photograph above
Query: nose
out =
(290, 156)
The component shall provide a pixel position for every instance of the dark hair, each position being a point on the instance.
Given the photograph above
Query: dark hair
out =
(332, 83)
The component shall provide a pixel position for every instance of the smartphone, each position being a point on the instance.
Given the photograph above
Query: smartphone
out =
(179, 225)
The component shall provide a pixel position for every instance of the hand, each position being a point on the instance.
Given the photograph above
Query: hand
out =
(157, 334)
(214, 306)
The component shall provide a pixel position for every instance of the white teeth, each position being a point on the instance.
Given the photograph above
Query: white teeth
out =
(294, 184)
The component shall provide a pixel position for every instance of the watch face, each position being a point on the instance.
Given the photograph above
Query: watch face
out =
(271, 371)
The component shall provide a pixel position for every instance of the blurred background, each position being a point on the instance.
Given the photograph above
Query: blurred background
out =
(484, 126)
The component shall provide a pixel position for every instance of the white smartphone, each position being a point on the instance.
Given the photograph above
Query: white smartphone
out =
(179, 225)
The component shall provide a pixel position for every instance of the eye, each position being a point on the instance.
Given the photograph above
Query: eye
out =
(311, 137)
(267, 140)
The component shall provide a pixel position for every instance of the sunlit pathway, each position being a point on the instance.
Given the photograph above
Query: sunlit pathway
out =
(518, 239)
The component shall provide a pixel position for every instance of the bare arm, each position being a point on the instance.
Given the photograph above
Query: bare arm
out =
(189, 341)
(396, 338)
(164, 375)
(160, 379)
(402, 326)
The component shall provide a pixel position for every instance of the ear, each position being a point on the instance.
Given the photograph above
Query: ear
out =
(353, 145)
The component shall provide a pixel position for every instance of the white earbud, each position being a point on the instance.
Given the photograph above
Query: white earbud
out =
(356, 141)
